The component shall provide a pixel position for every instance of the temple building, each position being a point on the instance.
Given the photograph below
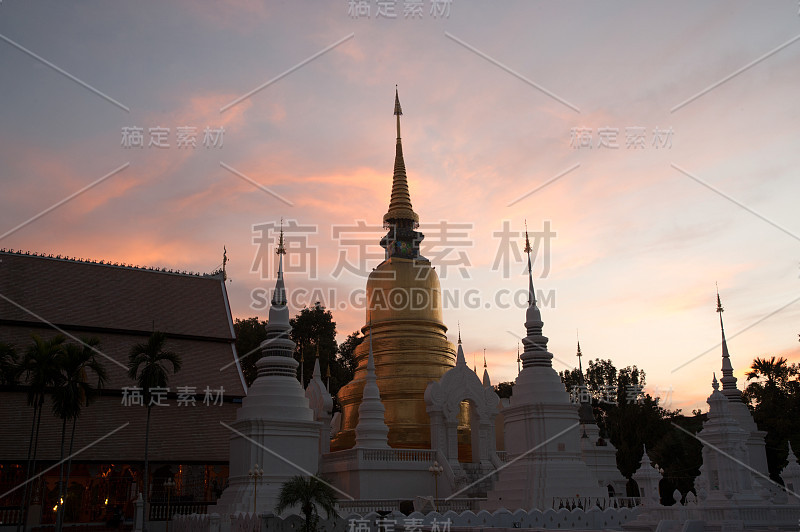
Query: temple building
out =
(121, 306)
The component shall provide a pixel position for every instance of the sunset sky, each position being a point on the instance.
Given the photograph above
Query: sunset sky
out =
(499, 100)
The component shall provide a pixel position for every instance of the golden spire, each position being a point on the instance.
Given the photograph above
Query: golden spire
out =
(400, 204)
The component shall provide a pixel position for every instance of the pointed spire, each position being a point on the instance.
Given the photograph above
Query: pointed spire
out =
(535, 343)
(460, 360)
(531, 293)
(400, 208)
(278, 348)
(580, 365)
(519, 360)
(224, 263)
(486, 381)
(279, 295)
(301, 368)
(728, 380)
(371, 431)
(714, 383)
(316, 373)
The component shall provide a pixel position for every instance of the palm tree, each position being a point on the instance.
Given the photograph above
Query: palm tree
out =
(40, 369)
(308, 492)
(8, 364)
(775, 371)
(72, 393)
(147, 365)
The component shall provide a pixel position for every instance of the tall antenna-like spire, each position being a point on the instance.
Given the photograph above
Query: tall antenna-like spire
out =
(224, 262)
(519, 360)
(531, 293)
(459, 333)
(279, 296)
(728, 380)
(579, 355)
(484, 358)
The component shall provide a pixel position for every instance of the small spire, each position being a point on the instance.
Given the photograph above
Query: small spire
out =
(485, 381)
(371, 430)
(224, 262)
(580, 364)
(281, 250)
(316, 371)
(301, 368)
(728, 380)
(714, 383)
(459, 333)
(279, 296)
(531, 293)
(519, 360)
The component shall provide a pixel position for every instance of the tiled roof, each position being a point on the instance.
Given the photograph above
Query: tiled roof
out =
(79, 293)
(121, 306)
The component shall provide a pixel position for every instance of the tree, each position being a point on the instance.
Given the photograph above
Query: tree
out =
(774, 371)
(8, 364)
(314, 334)
(629, 417)
(309, 493)
(250, 333)
(773, 397)
(148, 366)
(504, 390)
(71, 393)
(40, 369)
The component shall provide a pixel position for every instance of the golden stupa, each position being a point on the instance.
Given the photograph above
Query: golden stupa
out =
(404, 307)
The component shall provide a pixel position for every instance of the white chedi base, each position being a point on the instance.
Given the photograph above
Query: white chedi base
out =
(542, 427)
(276, 415)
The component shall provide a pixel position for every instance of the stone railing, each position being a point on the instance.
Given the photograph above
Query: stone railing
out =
(583, 503)
(160, 512)
(624, 502)
(366, 506)
(9, 515)
(397, 455)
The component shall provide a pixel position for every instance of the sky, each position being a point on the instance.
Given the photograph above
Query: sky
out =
(651, 148)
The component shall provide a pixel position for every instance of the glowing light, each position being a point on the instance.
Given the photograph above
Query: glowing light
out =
(106, 501)
(55, 508)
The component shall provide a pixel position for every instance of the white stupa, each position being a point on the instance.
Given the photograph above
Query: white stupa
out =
(542, 432)
(647, 478)
(371, 430)
(274, 427)
(321, 402)
(724, 477)
(756, 451)
(791, 476)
